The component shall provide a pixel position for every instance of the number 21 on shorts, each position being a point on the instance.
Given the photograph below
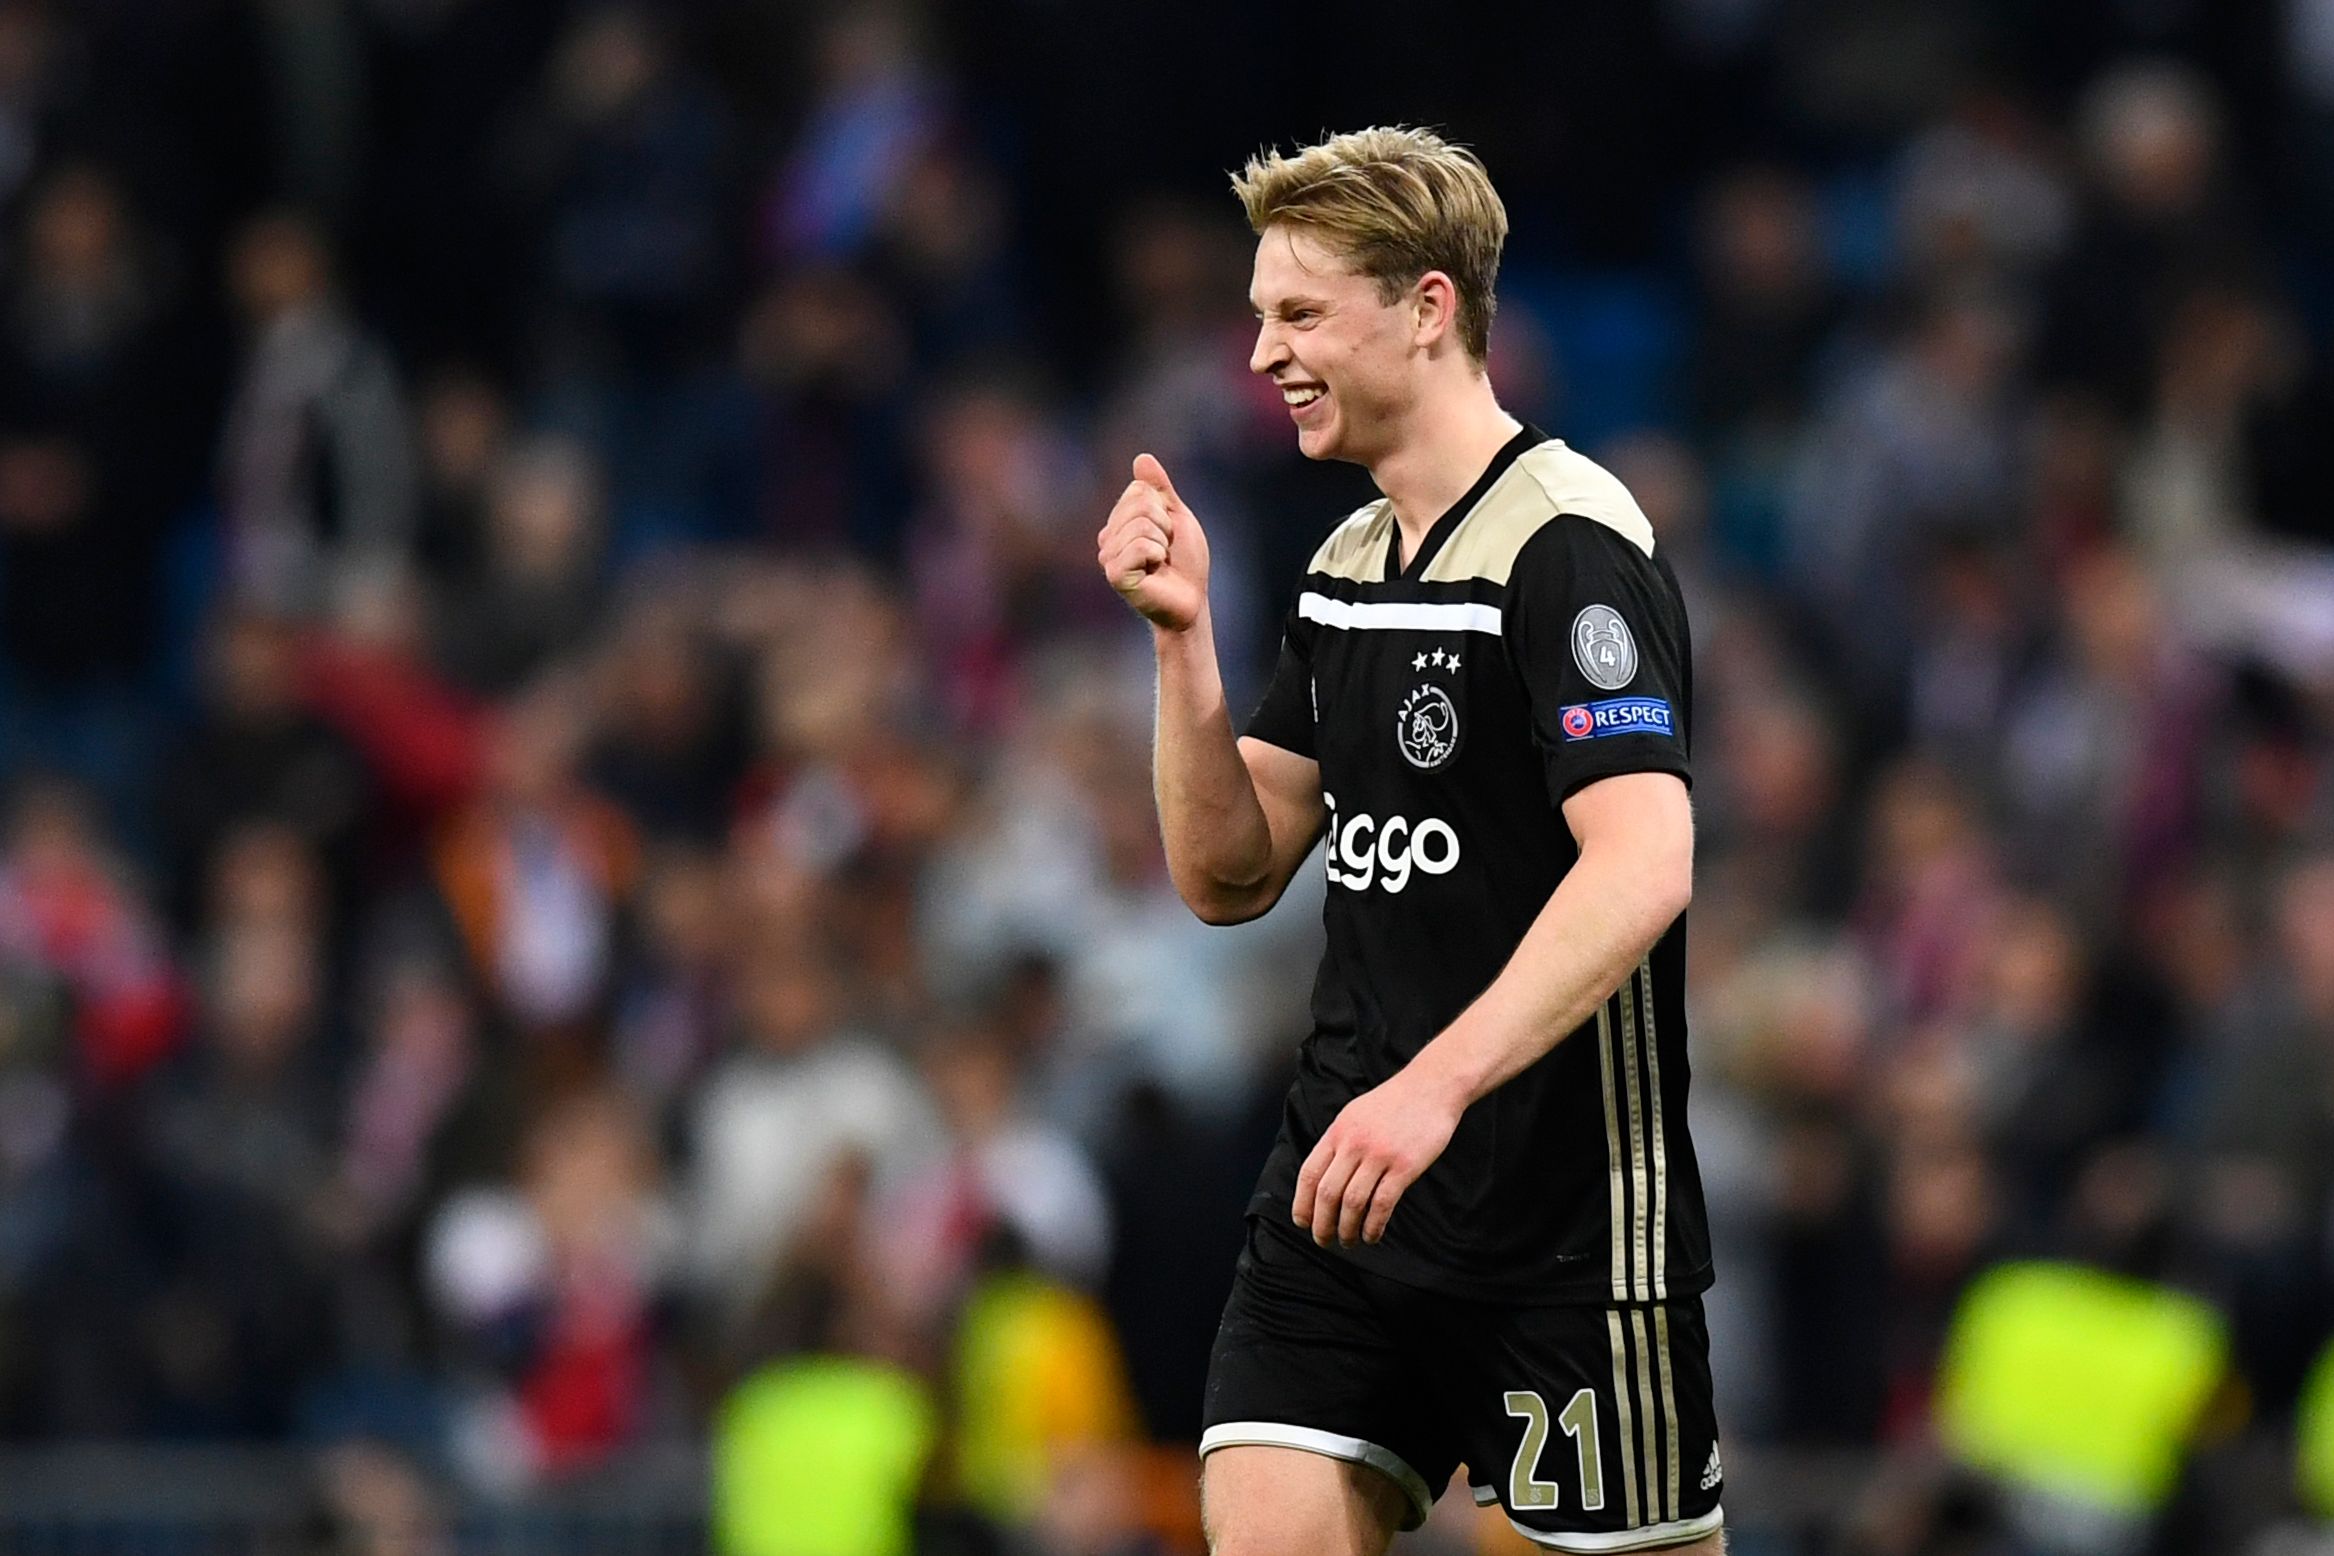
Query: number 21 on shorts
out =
(1525, 1490)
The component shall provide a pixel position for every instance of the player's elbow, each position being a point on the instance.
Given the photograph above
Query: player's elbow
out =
(1221, 906)
(1669, 872)
(1215, 899)
(1221, 891)
(1674, 886)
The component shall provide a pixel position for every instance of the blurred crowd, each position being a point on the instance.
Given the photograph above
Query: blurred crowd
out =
(579, 865)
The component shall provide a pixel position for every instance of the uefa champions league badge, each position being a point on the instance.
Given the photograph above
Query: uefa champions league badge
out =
(1603, 648)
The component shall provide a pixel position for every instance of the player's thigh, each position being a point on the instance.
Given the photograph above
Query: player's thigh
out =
(1259, 1500)
(1594, 1428)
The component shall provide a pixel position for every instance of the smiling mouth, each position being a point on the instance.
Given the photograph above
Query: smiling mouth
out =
(1300, 397)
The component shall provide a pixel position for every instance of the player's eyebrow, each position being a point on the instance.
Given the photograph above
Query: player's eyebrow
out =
(1288, 305)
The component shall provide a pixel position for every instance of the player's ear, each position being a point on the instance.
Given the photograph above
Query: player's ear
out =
(1434, 307)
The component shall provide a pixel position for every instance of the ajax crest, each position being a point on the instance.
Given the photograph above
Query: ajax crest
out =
(1427, 727)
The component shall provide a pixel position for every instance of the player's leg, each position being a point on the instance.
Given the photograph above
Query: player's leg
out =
(1594, 1428)
(1318, 1434)
(1259, 1500)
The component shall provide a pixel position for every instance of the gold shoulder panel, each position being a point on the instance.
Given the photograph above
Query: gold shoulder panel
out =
(1356, 549)
(1543, 482)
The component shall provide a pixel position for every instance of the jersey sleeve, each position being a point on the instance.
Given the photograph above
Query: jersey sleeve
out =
(1284, 717)
(1597, 633)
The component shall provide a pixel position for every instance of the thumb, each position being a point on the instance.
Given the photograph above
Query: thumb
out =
(1153, 474)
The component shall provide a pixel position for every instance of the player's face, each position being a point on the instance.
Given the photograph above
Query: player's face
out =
(1342, 357)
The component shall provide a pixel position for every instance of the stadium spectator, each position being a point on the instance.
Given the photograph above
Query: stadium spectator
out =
(71, 918)
(799, 1093)
(255, 752)
(554, 1285)
(2161, 213)
(464, 427)
(825, 357)
(1004, 1175)
(318, 469)
(536, 596)
(537, 871)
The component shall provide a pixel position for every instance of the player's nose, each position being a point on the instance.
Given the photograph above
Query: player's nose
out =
(1271, 351)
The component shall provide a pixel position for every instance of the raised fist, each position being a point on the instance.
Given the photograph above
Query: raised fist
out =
(1153, 551)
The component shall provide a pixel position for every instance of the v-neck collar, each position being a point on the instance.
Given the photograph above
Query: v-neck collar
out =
(1452, 517)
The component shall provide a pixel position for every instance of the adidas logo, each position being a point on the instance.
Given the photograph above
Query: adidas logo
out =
(1713, 1472)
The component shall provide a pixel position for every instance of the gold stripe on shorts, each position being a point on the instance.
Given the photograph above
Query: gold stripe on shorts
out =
(1669, 1405)
(1622, 1388)
(1644, 1381)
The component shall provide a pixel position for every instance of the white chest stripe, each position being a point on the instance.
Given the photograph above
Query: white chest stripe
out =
(1393, 615)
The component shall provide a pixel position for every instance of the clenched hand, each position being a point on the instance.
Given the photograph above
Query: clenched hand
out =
(1153, 551)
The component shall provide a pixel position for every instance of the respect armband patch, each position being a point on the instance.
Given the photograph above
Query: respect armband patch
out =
(1616, 716)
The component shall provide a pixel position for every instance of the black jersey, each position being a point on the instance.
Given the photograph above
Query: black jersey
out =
(1534, 644)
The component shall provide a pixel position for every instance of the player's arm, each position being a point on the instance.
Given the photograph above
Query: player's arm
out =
(1634, 877)
(1238, 816)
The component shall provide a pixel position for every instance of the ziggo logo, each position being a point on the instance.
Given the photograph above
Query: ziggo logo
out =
(1400, 846)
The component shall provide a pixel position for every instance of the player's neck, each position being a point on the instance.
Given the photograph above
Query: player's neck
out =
(1450, 442)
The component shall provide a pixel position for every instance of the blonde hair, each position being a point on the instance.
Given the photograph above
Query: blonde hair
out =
(1397, 202)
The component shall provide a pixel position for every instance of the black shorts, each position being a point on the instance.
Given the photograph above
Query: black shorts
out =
(1592, 1426)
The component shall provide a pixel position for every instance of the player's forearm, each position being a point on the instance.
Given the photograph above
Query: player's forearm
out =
(1599, 923)
(1219, 845)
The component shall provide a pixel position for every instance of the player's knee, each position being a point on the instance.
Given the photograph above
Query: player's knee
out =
(1255, 1539)
(1228, 1530)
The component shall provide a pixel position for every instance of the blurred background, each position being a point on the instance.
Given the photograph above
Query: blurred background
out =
(584, 958)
